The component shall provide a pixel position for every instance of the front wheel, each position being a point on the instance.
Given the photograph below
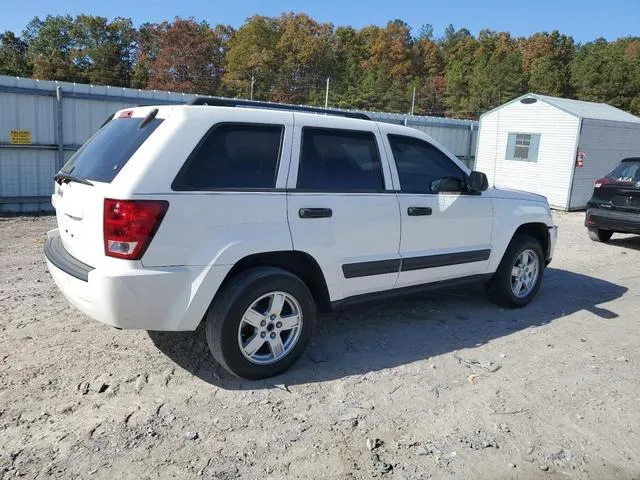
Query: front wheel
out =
(599, 235)
(519, 275)
(260, 323)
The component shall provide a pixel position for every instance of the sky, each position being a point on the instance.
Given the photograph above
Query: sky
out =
(585, 20)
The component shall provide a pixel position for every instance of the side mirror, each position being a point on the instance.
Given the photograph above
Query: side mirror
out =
(477, 182)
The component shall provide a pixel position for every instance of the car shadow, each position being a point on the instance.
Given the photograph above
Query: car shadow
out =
(386, 335)
(632, 242)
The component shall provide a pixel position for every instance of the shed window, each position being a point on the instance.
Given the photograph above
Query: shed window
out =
(523, 147)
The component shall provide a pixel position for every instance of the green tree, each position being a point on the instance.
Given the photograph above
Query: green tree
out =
(608, 72)
(13, 56)
(303, 52)
(459, 49)
(51, 46)
(545, 60)
(388, 67)
(497, 74)
(251, 54)
(104, 50)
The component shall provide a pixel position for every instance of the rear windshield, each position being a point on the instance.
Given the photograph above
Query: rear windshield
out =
(626, 172)
(108, 150)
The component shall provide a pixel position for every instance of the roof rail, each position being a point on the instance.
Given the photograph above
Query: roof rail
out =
(232, 102)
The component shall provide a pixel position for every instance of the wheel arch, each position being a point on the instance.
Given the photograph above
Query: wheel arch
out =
(539, 231)
(296, 262)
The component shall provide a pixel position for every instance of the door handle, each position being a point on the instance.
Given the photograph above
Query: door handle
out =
(418, 211)
(315, 213)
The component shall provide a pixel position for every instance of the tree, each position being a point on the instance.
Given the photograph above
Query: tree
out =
(428, 75)
(51, 43)
(104, 50)
(190, 58)
(147, 47)
(251, 54)
(608, 72)
(459, 49)
(304, 58)
(13, 56)
(545, 60)
(497, 73)
(288, 59)
(389, 66)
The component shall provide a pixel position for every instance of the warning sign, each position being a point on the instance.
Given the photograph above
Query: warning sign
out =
(20, 137)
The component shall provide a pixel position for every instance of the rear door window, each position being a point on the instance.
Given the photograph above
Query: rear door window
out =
(339, 161)
(102, 157)
(233, 156)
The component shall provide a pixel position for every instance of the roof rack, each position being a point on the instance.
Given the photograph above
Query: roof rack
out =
(232, 102)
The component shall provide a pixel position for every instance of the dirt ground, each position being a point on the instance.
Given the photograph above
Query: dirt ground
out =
(443, 386)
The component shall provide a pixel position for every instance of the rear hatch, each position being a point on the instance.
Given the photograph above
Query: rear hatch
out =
(85, 180)
(620, 189)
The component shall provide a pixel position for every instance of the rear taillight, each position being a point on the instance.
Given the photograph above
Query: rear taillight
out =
(129, 226)
(601, 181)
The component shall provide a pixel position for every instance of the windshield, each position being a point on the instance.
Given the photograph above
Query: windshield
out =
(626, 172)
(102, 157)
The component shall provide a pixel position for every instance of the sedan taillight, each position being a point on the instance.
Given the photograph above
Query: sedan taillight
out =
(129, 226)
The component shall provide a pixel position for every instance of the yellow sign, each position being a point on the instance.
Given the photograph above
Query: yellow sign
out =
(20, 137)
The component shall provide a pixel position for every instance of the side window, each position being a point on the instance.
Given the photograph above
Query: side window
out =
(339, 161)
(422, 168)
(242, 156)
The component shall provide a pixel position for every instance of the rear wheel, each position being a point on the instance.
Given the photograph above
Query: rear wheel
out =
(260, 323)
(519, 275)
(599, 235)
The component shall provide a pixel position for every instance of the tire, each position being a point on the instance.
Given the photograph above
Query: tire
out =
(599, 235)
(227, 330)
(500, 289)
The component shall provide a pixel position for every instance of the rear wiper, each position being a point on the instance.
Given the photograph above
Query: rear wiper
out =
(150, 116)
(66, 177)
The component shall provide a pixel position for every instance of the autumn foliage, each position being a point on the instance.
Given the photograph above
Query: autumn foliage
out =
(289, 58)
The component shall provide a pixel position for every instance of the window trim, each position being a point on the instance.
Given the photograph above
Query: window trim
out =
(295, 189)
(179, 185)
(400, 191)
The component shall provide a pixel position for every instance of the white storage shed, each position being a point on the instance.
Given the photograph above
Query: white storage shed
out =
(554, 146)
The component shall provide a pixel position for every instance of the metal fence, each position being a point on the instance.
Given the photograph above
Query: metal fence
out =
(42, 123)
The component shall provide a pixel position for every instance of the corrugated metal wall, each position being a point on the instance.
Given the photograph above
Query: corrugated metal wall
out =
(604, 143)
(61, 116)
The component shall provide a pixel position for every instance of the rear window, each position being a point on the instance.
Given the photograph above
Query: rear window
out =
(626, 172)
(109, 149)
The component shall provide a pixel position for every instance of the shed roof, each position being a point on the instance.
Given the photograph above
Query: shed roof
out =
(581, 109)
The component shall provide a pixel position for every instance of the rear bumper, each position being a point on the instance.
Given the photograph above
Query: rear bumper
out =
(622, 222)
(132, 297)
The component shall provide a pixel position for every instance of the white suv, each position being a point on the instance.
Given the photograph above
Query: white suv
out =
(254, 219)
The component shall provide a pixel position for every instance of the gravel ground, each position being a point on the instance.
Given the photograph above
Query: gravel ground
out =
(440, 386)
